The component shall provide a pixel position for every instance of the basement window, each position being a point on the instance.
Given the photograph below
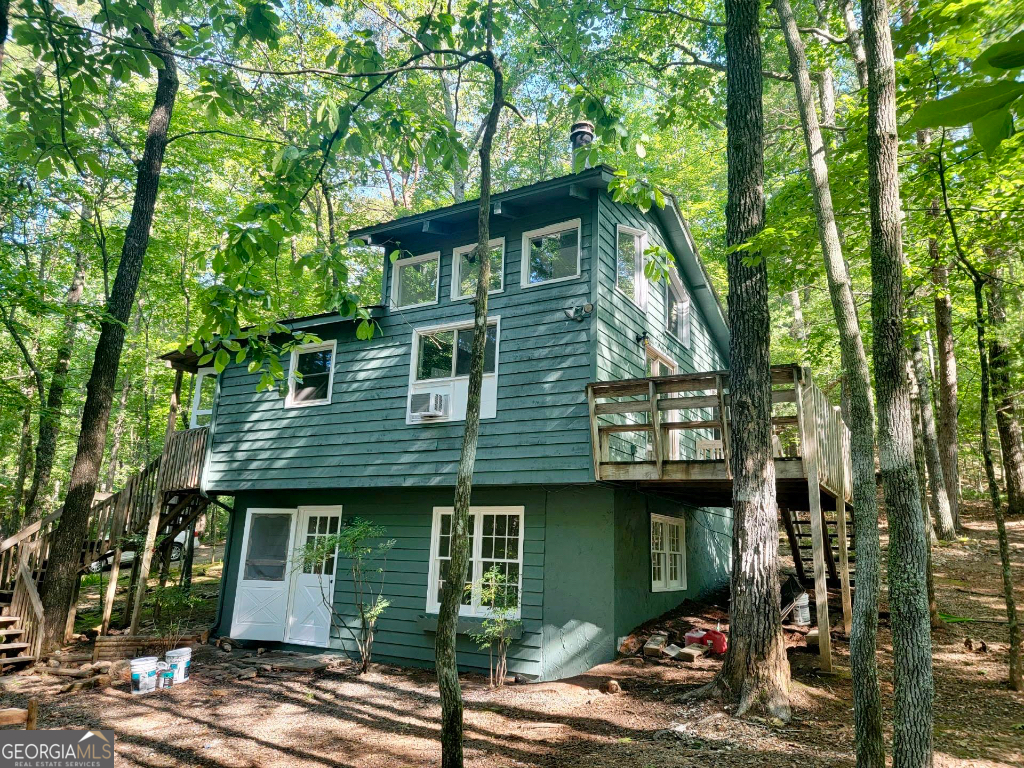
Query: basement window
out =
(495, 541)
(668, 554)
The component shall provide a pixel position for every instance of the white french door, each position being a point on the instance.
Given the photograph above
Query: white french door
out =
(264, 575)
(309, 617)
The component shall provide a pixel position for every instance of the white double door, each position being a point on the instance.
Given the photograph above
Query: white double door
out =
(278, 598)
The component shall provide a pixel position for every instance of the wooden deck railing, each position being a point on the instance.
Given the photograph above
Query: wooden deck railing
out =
(183, 459)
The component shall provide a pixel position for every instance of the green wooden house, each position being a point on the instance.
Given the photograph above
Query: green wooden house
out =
(602, 479)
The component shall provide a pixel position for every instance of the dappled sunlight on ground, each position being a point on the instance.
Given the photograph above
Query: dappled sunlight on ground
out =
(389, 718)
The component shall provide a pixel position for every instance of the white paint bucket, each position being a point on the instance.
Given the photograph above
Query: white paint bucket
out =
(144, 671)
(802, 611)
(179, 661)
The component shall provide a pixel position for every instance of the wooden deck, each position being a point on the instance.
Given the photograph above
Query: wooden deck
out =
(673, 433)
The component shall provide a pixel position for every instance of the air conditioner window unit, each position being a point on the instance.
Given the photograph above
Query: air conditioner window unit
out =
(428, 405)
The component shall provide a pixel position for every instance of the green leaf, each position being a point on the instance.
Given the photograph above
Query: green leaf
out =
(992, 129)
(221, 360)
(1000, 57)
(966, 106)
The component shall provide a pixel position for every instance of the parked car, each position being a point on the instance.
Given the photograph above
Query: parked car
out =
(177, 550)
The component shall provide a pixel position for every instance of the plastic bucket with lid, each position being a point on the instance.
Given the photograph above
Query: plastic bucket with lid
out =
(144, 670)
(802, 611)
(179, 661)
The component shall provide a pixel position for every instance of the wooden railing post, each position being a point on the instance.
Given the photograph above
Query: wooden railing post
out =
(808, 418)
(726, 437)
(652, 396)
(844, 554)
(595, 434)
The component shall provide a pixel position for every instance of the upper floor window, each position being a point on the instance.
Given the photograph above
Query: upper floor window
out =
(496, 541)
(677, 309)
(311, 375)
(439, 379)
(202, 398)
(415, 281)
(630, 245)
(465, 269)
(668, 554)
(551, 254)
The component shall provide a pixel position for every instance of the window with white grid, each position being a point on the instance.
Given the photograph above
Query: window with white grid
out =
(668, 554)
(496, 540)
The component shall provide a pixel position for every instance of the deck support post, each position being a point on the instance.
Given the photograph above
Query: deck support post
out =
(809, 439)
(844, 554)
(726, 439)
(794, 543)
(595, 432)
(652, 397)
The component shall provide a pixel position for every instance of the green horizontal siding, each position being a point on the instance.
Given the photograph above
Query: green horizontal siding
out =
(541, 430)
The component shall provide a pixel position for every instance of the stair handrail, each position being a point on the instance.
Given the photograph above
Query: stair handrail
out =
(30, 529)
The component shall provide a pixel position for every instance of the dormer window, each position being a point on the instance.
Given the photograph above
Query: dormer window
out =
(677, 309)
(551, 254)
(630, 245)
(415, 281)
(311, 375)
(465, 270)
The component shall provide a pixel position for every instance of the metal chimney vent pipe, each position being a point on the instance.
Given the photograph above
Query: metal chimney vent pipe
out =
(581, 134)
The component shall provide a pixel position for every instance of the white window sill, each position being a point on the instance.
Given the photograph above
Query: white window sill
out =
(551, 282)
(290, 405)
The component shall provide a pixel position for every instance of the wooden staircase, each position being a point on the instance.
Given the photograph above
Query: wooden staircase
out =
(163, 498)
(797, 528)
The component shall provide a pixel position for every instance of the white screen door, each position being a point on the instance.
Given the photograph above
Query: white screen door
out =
(261, 600)
(309, 619)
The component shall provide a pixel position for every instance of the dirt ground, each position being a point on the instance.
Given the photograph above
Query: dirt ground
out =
(388, 718)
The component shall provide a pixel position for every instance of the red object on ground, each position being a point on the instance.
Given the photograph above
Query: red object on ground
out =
(717, 640)
(695, 637)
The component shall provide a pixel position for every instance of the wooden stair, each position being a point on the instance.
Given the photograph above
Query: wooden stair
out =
(167, 487)
(800, 532)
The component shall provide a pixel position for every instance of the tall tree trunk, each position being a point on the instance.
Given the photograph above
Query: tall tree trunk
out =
(985, 386)
(857, 390)
(1007, 424)
(855, 42)
(947, 385)
(451, 594)
(908, 549)
(49, 418)
(756, 671)
(65, 557)
(922, 481)
(24, 466)
(797, 329)
(941, 512)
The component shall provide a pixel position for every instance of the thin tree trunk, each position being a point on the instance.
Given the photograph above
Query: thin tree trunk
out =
(755, 673)
(797, 329)
(857, 398)
(941, 512)
(62, 572)
(50, 416)
(922, 475)
(1007, 424)
(332, 228)
(24, 466)
(985, 385)
(115, 447)
(4, 27)
(908, 549)
(451, 595)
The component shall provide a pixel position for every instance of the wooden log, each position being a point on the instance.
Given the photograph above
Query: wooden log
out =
(66, 672)
(99, 681)
(13, 716)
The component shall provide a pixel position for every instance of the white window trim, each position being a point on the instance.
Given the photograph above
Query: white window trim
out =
(296, 351)
(457, 261)
(433, 572)
(639, 299)
(524, 256)
(201, 374)
(396, 267)
(414, 360)
(665, 585)
(675, 285)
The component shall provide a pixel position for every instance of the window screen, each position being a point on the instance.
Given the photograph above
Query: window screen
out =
(267, 556)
